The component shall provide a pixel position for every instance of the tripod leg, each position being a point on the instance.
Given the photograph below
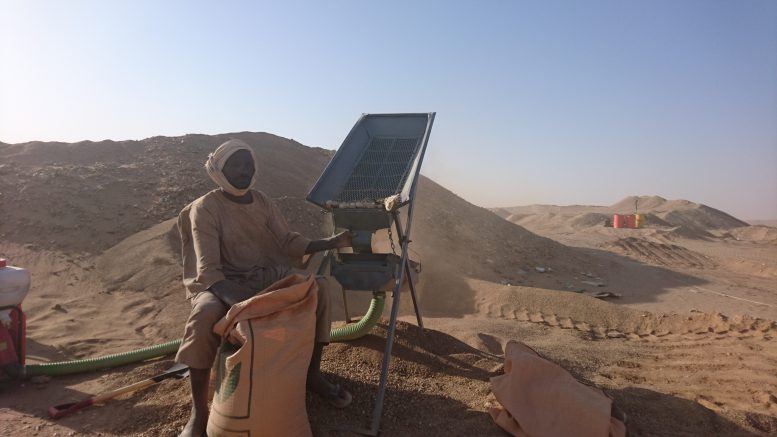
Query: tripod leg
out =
(412, 295)
(378, 411)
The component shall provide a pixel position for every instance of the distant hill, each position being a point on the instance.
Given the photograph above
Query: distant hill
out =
(686, 217)
(680, 212)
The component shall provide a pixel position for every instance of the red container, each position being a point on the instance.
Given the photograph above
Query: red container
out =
(8, 353)
(631, 221)
(13, 338)
(20, 332)
(617, 221)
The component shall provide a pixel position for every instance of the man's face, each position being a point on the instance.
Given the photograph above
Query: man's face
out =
(239, 169)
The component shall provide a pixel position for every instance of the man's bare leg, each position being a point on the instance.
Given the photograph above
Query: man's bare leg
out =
(199, 419)
(316, 382)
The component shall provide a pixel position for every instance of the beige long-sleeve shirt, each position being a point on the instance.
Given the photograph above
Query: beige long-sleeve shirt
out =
(223, 239)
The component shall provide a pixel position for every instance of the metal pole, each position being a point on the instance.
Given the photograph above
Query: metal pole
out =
(418, 317)
(378, 411)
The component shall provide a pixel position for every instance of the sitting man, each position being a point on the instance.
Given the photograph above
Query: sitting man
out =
(235, 244)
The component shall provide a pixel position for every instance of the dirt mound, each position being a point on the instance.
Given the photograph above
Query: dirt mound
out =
(757, 233)
(86, 197)
(456, 240)
(501, 212)
(589, 219)
(680, 212)
(144, 261)
(643, 203)
(702, 218)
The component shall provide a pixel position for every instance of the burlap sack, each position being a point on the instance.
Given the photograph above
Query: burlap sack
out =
(540, 399)
(262, 363)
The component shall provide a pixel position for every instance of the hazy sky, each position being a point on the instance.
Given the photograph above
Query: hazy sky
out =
(576, 102)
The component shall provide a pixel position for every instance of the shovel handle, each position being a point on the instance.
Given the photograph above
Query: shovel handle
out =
(58, 411)
(120, 391)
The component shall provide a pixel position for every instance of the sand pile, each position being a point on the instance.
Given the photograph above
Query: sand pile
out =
(680, 212)
(756, 233)
(456, 240)
(588, 220)
(94, 222)
(86, 197)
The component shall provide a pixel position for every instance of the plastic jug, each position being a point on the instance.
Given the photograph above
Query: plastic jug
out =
(14, 284)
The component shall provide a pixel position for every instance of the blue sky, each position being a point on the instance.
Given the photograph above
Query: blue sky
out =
(575, 102)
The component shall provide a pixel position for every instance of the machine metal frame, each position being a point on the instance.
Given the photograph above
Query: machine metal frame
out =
(346, 170)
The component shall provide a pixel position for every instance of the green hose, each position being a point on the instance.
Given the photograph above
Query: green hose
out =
(79, 366)
(345, 333)
(364, 325)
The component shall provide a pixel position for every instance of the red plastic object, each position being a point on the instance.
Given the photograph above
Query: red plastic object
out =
(20, 321)
(15, 337)
(7, 347)
(617, 221)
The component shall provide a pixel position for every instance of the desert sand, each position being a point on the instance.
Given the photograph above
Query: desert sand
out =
(684, 342)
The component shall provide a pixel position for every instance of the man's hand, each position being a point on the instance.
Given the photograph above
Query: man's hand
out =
(343, 239)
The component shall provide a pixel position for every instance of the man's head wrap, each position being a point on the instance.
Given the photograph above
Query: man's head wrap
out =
(215, 164)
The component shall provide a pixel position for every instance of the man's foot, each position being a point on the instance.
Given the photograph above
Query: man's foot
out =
(334, 394)
(195, 427)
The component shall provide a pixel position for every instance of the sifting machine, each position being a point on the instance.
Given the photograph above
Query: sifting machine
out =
(369, 181)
